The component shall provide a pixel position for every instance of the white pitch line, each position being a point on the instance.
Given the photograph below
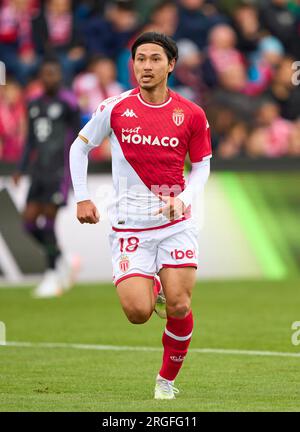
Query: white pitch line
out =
(149, 349)
(80, 346)
(244, 352)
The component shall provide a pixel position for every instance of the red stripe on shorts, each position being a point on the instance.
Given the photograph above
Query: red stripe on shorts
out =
(180, 265)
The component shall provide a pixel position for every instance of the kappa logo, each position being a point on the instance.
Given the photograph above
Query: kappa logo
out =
(129, 113)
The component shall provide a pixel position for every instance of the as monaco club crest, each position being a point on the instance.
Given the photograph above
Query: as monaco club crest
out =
(124, 263)
(178, 116)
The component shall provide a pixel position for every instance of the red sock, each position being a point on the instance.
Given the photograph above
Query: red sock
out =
(176, 340)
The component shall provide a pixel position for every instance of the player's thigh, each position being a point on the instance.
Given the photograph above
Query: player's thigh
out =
(134, 266)
(178, 283)
(54, 194)
(33, 208)
(177, 263)
(136, 297)
(32, 211)
(50, 210)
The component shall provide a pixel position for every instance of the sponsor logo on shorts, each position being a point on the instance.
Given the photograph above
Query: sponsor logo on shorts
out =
(179, 254)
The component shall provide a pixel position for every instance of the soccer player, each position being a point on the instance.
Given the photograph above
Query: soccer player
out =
(53, 124)
(153, 237)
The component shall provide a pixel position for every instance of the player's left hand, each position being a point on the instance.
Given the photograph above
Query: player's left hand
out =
(173, 209)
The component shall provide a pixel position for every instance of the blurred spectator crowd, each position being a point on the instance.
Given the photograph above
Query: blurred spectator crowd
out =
(236, 59)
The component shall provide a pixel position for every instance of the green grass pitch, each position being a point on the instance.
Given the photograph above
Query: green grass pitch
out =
(236, 315)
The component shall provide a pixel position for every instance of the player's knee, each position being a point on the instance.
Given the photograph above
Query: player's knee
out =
(137, 315)
(179, 308)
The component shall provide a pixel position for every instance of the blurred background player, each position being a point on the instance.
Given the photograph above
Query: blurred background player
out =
(53, 122)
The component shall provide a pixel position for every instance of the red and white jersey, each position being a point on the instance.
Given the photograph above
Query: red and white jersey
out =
(149, 144)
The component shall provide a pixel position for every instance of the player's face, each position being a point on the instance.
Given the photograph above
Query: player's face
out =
(151, 66)
(51, 77)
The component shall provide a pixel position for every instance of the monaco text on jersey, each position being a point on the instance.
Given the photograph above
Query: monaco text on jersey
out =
(136, 138)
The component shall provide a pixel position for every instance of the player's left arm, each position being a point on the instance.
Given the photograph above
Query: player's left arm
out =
(200, 153)
(197, 179)
(176, 206)
(88, 138)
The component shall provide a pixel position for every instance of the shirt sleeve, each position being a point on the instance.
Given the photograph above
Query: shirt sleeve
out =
(78, 168)
(98, 127)
(200, 142)
(198, 177)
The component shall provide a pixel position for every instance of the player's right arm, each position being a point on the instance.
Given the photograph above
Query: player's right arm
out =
(87, 212)
(86, 209)
(89, 137)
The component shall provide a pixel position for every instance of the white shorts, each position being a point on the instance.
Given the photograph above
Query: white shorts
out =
(144, 253)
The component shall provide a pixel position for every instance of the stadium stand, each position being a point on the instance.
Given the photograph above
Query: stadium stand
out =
(237, 60)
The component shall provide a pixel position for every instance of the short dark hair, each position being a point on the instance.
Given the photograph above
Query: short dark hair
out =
(168, 44)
